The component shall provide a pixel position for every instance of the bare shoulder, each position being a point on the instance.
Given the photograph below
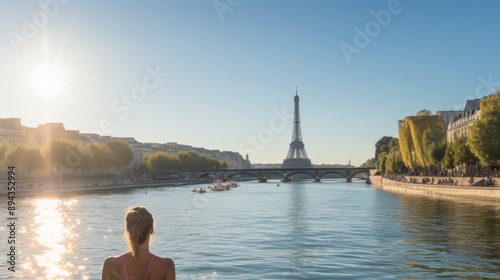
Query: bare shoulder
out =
(113, 260)
(166, 262)
(110, 264)
(167, 268)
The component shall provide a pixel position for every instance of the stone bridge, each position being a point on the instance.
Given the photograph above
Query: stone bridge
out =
(263, 174)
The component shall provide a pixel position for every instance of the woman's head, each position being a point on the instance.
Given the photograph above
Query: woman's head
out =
(138, 226)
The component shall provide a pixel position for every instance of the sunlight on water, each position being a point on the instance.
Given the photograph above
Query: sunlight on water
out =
(331, 230)
(54, 232)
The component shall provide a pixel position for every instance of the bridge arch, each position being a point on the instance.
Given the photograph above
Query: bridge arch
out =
(270, 173)
(163, 174)
(207, 175)
(231, 175)
(291, 174)
(332, 172)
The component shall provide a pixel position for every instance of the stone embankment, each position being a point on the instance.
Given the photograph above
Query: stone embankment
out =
(462, 188)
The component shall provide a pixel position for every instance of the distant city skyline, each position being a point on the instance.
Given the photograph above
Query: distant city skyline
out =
(222, 74)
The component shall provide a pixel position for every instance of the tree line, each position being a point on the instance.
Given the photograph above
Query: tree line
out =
(62, 152)
(184, 160)
(422, 143)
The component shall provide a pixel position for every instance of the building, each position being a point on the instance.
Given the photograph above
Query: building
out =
(448, 116)
(13, 132)
(459, 126)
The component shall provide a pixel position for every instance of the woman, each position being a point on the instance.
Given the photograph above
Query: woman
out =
(138, 263)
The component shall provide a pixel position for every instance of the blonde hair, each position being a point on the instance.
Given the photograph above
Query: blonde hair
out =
(138, 224)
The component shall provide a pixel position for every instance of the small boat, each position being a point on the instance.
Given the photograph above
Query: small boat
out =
(219, 185)
(201, 190)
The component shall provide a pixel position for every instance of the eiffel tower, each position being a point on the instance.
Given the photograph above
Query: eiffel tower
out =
(296, 157)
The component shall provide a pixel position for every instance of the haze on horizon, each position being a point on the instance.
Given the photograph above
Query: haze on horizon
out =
(222, 74)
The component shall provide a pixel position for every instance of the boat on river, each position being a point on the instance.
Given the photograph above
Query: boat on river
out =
(201, 190)
(219, 185)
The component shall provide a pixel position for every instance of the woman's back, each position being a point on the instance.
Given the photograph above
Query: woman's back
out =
(138, 263)
(147, 266)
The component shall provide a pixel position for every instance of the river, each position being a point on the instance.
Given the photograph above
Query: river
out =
(302, 230)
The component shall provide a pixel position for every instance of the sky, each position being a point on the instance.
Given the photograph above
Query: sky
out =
(222, 74)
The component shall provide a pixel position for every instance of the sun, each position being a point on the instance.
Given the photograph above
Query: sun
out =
(48, 80)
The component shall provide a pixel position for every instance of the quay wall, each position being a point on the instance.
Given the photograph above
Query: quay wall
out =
(491, 193)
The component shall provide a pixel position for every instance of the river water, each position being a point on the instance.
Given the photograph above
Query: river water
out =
(328, 230)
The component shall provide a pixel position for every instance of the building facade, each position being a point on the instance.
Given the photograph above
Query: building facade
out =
(459, 126)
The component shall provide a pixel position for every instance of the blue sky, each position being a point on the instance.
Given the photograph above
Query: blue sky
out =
(233, 67)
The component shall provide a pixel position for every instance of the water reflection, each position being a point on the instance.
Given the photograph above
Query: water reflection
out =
(444, 229)
(53, 233)
(298, 226)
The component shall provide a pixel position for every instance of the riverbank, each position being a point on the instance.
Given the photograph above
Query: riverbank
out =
(490, 193)
(57, 187)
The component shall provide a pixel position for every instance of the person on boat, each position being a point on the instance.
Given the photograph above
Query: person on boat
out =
(138, 262)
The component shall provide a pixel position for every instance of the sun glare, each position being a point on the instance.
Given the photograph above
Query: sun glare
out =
(49, 80)
(54, 232)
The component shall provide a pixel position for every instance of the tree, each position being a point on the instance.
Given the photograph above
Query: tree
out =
(122, 152)
(101, 156)
(28, 158)
(369, 163)
(392, 162)
(5, 150)
(416, 137)
(161, 161)
(423, 112)
(449, 157)
(438, 152)
(484, 137)
(66, 152)
(184, 160)
(223, 164)
(463, 154)
(381, 162)
(382, 145)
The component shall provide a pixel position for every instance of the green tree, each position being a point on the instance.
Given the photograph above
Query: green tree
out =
(161, 161)
(223, 164)
(382, 158)
(66, 152)
(184, 160)
(27, 157)
(369, 163)
(382, 145)
(423, 112)
(392, 162)
(438, 152)
(101, 156)
(463, 154)
(122, 152)
(449, 157)
(484, 137)
(5, 150)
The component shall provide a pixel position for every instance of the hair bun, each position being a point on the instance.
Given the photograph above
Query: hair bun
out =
(133, 217)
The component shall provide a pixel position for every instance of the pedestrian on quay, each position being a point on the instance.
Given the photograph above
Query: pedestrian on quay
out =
(138, 262)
